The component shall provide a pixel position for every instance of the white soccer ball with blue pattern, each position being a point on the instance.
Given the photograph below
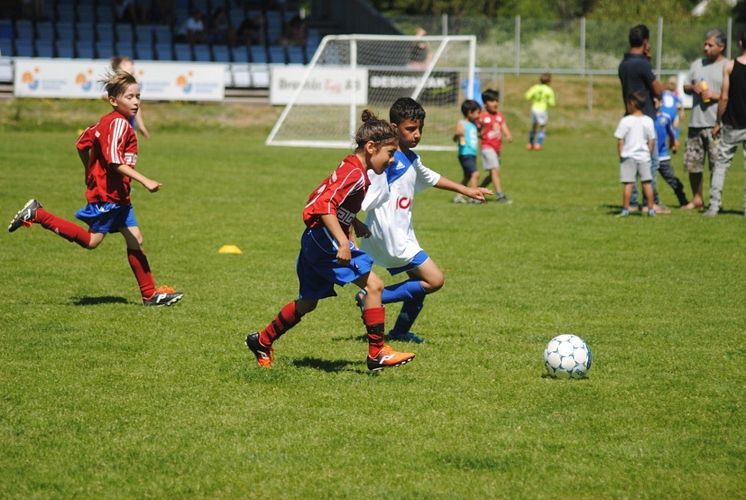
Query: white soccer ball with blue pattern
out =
(567, 356)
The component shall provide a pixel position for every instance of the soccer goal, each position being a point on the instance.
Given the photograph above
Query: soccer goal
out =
(349, 73)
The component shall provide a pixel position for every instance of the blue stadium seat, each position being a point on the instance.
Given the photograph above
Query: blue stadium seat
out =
(163, 51)
(258, 54)
(65, 48)
(105, 32)
(104, 50)
(274, 26)
(202, 52)
(162, 33)
(277, 54)
(144, 51)
(45, 31)
(124, 32)
(6, 29)
(183, 52)
(82, 32)
(124, 48)
(24, 30)
(66, 12)
(222, 53)
(240, 54)
(44, 48)
(295, 55)
(66, 31)
(84, 48)
(105, 12)
(86, 13)
(6, 48)
(236, 15)
(144, 33)
(24, 47)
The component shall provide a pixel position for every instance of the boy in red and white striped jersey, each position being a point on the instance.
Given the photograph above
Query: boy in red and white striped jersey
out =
(108, 151)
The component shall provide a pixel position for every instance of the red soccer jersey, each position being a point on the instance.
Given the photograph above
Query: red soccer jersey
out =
(491, 130)
(341, 193)
(111, 141)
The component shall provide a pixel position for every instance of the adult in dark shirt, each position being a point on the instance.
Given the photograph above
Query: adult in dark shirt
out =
(732, 115)
(636, 75)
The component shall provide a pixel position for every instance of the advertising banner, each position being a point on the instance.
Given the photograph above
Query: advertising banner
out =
(325, 85)
(79, 79)
(441, 87)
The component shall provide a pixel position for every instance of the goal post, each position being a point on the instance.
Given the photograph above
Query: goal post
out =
(349, 73)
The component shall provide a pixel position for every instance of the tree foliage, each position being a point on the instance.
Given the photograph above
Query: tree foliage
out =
(557, 9)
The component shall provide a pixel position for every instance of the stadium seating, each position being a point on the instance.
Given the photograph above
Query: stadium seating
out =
(202, 52)
(84, 49)
(144, 51)
(221, 53)
(6, 47)
(65, 48)
(87, 29)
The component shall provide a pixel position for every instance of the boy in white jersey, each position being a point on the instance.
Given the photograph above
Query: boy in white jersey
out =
(388, 204)
(635, 142)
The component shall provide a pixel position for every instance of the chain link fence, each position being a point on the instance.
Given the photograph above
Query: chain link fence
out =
(577, 46)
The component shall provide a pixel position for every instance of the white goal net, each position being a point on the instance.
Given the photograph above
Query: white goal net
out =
(349, 73)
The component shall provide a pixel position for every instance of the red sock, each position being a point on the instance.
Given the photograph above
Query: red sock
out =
(286, 319)
(141, 269)
(374, 319)
(66, 229)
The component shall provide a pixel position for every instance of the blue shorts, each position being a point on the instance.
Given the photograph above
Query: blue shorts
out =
(103, 217)
(416, 261)
(318, 269)
(468, 164)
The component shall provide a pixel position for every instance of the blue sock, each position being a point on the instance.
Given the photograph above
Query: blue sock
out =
(540, 137)
(531, 137)
(400, 292)
(409, 312)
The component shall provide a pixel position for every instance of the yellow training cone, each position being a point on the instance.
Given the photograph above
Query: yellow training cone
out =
(233, 249)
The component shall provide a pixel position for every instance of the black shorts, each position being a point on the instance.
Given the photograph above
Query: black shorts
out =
(468, 164)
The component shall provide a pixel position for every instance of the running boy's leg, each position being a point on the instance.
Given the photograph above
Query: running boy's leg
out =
(379, 354)
(141, 269)
(34, 212)
(425, 278)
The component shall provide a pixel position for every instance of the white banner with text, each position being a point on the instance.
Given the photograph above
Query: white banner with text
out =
(325, 85)
(79, 79)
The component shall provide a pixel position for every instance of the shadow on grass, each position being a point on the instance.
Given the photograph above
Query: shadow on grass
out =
(331, 366)
(96, 301)
(615, 209)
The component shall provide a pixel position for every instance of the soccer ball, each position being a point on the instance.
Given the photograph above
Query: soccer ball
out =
(567, 356)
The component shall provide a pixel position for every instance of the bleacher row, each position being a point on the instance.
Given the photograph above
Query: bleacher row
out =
(87, 29)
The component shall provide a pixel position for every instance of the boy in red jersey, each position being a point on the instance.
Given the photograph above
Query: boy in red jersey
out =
(108, 151)
(493, 128)
(328, 257)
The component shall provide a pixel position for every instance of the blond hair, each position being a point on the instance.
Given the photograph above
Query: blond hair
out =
(117, 82)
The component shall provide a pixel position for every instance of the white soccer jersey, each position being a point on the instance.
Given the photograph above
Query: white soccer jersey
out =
(388, 205)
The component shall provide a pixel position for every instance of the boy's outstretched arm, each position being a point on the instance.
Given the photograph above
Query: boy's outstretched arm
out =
(130, 172)
(476, 193)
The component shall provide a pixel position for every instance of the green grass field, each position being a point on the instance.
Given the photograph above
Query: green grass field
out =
(103, 398)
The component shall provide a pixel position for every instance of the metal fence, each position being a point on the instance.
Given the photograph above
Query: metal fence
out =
(577, 46)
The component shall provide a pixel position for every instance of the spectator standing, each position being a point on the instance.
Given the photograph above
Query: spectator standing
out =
(732, 113)
(704, 83)
(193, 30)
